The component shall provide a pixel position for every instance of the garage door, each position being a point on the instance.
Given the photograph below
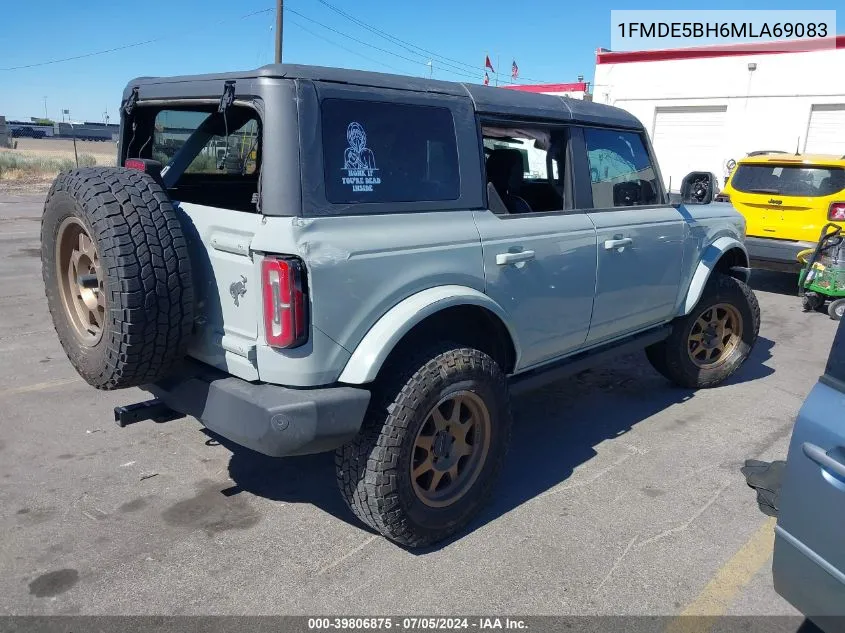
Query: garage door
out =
(826, 133)
(688, 139)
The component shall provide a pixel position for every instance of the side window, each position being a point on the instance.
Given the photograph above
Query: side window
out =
(375, 151)
(236, 153)
(621, 173)
(523, 166)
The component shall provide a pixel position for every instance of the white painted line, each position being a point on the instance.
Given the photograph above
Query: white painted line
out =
(348, 555)
(39, 386)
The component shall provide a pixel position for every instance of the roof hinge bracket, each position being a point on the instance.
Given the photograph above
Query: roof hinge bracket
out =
(228, 96)
(130, 102)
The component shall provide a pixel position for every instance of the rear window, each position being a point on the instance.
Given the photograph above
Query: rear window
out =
(236, 153)
(222, 150)
(789, 180)
(388, 152)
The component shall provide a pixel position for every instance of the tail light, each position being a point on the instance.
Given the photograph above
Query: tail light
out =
(285, 305)
(135, 163)
(836, 212)
(146, 165)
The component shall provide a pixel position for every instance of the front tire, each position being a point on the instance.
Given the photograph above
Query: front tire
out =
(708, 345)
(431, 447)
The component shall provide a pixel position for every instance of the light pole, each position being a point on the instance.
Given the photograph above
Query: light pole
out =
(45, 107)
(280, 10)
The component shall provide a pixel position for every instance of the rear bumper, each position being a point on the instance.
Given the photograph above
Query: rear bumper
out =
(772, 254)
(270, 419)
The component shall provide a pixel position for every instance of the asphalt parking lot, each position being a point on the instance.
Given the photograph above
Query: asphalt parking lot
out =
(621, 494)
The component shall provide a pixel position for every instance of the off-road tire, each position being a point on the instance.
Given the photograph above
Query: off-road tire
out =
(146, 268)
(671, 358)
(811, 301)
(836, 309)
(373, 470)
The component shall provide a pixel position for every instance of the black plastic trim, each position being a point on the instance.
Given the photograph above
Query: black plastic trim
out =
(270, 419)
(536, 378)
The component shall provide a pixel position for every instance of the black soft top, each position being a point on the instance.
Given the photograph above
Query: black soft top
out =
(486, 100)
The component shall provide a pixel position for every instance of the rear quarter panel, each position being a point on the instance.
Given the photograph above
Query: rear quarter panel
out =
(809, 557)
(361, 266)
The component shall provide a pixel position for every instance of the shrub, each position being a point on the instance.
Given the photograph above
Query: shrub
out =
(15, 164)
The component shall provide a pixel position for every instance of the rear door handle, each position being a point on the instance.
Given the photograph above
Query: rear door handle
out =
(502, 259)
(818, 455)
(617, 243)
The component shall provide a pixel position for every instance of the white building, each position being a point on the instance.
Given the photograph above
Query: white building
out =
(704, 106)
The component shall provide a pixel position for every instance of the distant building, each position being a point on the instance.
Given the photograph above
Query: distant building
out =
(576, 90)
(5, 134)
(706, 106)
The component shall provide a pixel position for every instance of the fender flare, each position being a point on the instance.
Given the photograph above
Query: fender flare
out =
(366, 361)
(709, 259)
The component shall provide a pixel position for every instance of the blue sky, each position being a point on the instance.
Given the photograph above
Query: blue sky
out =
(552, 41)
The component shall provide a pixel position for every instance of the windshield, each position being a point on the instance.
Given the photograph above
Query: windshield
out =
(789, 180)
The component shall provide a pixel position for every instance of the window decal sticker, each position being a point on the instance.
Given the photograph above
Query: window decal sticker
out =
(359, 162)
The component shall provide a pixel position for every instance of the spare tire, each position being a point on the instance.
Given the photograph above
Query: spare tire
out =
(117, 275)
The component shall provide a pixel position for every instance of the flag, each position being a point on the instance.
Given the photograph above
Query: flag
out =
(489, 64)
(514, 70)
(486, 79)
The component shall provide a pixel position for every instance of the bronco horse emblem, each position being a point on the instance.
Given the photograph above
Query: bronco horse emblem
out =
(238, 289)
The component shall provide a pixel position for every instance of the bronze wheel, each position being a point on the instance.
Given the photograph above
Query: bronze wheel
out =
(716, 333)
(450, 449)
(117, 275)
(705, 347)
(81, 283)
(431, 446)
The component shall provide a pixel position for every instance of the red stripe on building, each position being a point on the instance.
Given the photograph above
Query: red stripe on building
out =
(725, 50)
(580, 86)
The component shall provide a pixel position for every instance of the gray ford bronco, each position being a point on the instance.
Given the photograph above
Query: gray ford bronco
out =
(312, 259)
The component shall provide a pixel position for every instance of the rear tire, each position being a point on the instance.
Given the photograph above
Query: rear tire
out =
(117, 275)
(431, 447)
(708, 345)
(812, 301)
(836, 309)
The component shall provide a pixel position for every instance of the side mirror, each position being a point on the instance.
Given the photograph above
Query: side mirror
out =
(698, 187)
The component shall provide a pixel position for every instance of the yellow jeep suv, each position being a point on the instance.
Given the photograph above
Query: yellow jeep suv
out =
(786, 200)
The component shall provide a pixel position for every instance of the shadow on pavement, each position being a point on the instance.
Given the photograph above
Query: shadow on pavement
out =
(755, 367)
(303, 479)
(556, 429)
(777, 283)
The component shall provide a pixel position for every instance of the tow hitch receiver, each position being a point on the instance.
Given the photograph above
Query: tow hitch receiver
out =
(154, 410)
